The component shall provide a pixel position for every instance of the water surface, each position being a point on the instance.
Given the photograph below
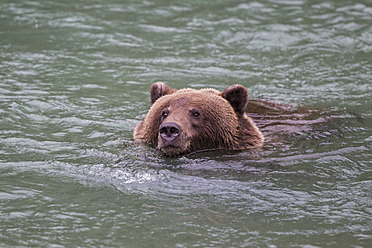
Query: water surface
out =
(74, 82)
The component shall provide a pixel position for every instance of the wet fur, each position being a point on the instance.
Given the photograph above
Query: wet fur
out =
(223, 123)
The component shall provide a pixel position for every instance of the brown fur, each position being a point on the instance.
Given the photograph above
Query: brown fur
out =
(207, 119)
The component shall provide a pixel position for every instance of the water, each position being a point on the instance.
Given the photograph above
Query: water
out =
(74, 81)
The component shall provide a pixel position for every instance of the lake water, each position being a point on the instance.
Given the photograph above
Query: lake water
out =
(74, 82)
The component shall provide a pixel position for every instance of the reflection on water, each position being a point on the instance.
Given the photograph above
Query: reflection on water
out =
(74, 81)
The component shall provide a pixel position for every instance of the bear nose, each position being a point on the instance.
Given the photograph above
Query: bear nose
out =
(169, 131)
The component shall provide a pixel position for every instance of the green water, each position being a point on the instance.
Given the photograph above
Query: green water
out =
(74, 82)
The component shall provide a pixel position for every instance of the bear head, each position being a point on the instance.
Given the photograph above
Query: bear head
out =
(190, 120)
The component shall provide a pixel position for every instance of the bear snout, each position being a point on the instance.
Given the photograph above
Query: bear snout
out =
(169, 131)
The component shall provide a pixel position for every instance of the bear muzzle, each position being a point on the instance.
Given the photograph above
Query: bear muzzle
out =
(169, 131)
(172, 141)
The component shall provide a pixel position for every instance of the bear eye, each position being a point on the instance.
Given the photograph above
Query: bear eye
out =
(195, 114)
(164, 114)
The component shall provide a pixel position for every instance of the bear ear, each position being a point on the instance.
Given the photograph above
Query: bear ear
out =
(158, 90)
(237, 96)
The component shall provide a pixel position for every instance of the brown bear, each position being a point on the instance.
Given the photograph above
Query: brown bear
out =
(189, 120)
